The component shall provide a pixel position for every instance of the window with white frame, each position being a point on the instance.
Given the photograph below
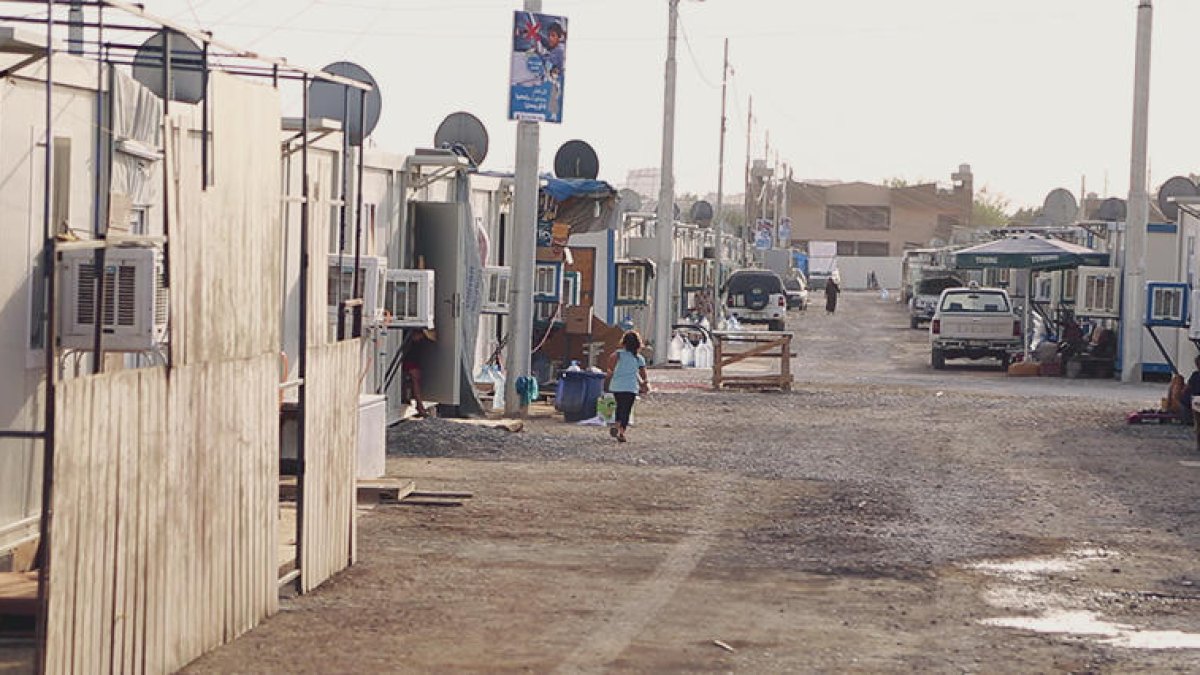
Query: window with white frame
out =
(572, 286)
(545, 312)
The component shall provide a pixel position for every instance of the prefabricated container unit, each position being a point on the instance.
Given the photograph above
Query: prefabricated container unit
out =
(373, 275)
(135, 299)
(496, 281)
(409, 298)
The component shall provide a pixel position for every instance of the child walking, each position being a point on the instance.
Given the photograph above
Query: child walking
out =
(627, 378)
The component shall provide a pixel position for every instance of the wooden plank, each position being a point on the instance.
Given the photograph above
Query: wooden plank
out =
(19, 593)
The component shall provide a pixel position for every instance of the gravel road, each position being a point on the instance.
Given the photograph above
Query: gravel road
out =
(882, 517)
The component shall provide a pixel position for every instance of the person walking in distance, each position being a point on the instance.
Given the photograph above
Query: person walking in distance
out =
(626, 379)
(831, 295)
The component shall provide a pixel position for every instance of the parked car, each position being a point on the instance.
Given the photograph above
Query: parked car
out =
(974, 323)
(797, 291)
(756, 296)
(925, 297)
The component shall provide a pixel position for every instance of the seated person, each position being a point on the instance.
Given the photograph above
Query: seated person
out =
(1103, 343)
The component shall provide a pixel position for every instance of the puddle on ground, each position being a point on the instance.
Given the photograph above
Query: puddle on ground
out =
(1031, 568)
(1054, 614)
(1069, 622)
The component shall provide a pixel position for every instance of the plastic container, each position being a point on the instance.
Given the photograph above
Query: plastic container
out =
(577, 394)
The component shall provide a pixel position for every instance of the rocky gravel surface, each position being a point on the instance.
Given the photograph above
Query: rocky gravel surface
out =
(882, 517)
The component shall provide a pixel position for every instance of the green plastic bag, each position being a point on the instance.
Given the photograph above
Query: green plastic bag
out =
(606, 407)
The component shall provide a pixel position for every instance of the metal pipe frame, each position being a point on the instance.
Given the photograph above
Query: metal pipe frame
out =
(302, 350)
(358, 210)
(49, 336)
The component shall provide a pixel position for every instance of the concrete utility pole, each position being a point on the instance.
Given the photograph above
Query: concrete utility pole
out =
(524, 252)
(718, 222)
(746, 203)
(1139, 205)
(664, 230)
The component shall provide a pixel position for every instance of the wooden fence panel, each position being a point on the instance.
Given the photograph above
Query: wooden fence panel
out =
(331, 439)
(164, 545)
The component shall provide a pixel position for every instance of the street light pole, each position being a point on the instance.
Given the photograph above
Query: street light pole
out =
(1139, 204)
(718, 222)
(524, 251)
(664, 229)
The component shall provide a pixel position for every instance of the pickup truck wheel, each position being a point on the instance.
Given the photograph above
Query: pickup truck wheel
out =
(913, 323)
(776, 325)
(938, 358)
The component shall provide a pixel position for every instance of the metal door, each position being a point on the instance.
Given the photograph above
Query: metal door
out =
(438, 232)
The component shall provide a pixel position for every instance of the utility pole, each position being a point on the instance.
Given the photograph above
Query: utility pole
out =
(749, 225)
(524, 251)
(664, 229)
(719, 222)
(1139, 204)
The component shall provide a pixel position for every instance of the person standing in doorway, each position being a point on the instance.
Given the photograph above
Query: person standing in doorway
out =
(831, 295)
(626, 379)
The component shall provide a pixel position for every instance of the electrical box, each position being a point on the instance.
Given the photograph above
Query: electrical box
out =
(409, 298)
(1167, 304)
(496, 281)
(1098, 292)
(372, 272)
(135, 300)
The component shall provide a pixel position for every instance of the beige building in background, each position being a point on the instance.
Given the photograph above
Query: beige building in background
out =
(877, 220)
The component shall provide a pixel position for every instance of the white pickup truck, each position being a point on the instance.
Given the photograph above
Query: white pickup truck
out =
(974, 323)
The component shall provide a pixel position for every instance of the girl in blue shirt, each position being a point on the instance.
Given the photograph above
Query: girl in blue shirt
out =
(627, 378)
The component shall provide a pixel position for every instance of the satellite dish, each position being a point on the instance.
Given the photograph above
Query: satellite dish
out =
(463, 131)
(188, 67)
(1060, 207)
(576, 159)
(330, 100)
(630, 200)
(1112, 210)
(1179, 186)
(702, 212)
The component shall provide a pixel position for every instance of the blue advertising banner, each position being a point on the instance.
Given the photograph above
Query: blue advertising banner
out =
(539, 61)
(763, 234)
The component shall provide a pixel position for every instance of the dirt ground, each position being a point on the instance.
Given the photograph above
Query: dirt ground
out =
(883, 517)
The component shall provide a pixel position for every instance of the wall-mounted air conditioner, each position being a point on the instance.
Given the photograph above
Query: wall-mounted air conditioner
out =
(1167, 304)
(572, 290)
(373, 276)
(547, 282)
(1098, 292)
(693, 272)
(135, 300)
(1043, 287)
(496, 281)
(410, 298)
(632, 281)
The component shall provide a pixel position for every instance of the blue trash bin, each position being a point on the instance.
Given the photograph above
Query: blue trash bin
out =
(577, 394)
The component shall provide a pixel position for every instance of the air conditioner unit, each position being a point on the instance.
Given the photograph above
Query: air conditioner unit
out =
(548, 282)
(135, 299)
(373, 276)
(1098, 292)
(572, 290)
(1043, 287)
(496, 282)
(1167, 304)
(410, 298)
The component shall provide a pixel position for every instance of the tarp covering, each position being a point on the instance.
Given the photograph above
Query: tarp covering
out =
(586, 205)
(1028, 252)
(136, 127)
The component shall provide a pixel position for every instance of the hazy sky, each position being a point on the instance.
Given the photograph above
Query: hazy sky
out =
(1034, 94)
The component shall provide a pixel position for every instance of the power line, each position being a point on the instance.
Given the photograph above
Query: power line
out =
(695, 62)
